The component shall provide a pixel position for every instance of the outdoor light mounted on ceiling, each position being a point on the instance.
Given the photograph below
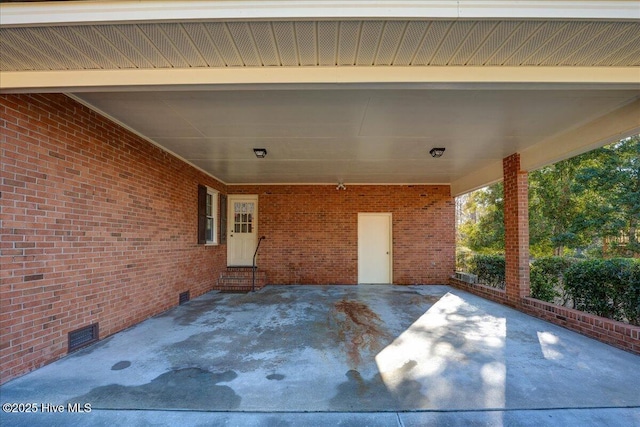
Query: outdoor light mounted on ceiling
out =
(260, 153)
(436, 152)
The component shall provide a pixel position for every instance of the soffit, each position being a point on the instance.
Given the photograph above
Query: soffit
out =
(352, 136)
(347, 43)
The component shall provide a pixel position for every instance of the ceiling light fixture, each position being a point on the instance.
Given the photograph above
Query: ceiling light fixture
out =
(436, 152)
(260, 153)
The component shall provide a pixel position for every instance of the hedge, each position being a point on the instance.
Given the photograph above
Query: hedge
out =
(547, 278)
(490, 269)
(606, 287)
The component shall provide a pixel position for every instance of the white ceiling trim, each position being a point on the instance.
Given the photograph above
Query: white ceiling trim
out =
(550, 9)
(68, 13)
(450, 76)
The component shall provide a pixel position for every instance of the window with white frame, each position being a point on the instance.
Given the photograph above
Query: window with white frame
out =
(211, 210)
(207, 215)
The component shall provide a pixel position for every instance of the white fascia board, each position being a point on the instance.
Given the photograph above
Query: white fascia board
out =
(212, 78)
(614, 10)
(76, 13)
(66, 13)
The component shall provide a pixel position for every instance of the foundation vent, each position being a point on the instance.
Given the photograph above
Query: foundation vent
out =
(184, 297)
(82, 337)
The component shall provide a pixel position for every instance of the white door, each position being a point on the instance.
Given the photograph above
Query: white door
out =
(374, 248)
(242, 229)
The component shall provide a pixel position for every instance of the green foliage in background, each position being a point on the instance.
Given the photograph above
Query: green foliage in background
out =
(484, 232)
(589, 204)
(606, 287)
(490, 269)
(581, 211)
(547, 278)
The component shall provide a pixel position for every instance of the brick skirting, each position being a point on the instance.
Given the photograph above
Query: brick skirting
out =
(617, 334)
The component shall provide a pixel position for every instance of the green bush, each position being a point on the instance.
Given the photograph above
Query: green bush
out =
(547, 277)
(606, 287)
(490, 269)
(631, 295)
(463, 258)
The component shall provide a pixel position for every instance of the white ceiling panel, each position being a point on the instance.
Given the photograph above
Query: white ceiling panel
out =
(222, 39)
(305, 33)
(377, 136)
(474, 41)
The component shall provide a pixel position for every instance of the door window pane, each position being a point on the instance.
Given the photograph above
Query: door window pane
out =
(243, 217)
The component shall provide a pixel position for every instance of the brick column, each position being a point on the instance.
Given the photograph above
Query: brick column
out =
(516, 229)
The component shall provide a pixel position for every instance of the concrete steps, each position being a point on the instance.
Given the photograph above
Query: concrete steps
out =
(239, 279)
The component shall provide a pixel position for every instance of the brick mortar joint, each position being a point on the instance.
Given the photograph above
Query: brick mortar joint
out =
(536, 304)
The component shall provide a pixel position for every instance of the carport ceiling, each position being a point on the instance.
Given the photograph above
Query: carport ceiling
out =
(346, 91)
(351, 136)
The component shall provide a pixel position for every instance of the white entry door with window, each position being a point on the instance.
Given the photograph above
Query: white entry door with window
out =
(242, 229)
(374, 248)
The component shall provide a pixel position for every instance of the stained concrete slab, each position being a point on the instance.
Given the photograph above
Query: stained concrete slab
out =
(359, 355)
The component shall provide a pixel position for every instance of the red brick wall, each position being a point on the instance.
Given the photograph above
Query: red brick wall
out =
(312, 231)
(516, 229)
(98, 226)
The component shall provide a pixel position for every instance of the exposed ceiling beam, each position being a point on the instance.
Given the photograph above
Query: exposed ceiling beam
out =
(477, 178)
(611, 127)
(69, 13)
(443, 77)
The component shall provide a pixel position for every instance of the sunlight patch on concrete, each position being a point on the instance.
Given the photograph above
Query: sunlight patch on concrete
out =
(548, 345)
(451, 346)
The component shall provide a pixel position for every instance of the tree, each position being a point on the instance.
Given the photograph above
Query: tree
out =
(482, 227)
(577, 203)
(484, 230)
(611, 179)
(555, 205)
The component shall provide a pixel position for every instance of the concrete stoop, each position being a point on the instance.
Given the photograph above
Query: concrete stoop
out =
(240, 279)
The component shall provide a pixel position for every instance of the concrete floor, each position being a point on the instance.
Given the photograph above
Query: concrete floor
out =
(338, 355)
